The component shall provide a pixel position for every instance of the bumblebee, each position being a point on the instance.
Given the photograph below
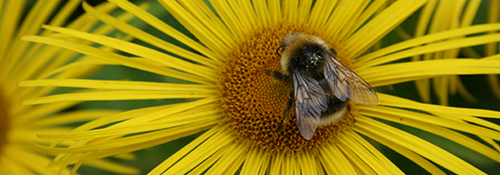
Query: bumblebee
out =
(322, 85)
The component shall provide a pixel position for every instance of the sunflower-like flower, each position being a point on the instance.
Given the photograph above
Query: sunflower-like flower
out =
(238, 108)
(21, 60)
(438, 16)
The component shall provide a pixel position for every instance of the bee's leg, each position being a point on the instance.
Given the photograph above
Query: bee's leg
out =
(286, 117)
(276, 75)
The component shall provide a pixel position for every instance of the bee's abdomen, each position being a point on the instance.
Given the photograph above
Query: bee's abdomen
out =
(334, 105)
(336, 110)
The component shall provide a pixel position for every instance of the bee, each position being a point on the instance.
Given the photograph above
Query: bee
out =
(322, 85)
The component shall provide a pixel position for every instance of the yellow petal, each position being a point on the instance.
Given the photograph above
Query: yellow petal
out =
(118, 95)
(418, 145)
(109, 84)
(146, 37)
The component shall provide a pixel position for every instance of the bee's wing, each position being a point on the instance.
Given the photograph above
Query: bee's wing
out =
(344, 83)
(310, 101)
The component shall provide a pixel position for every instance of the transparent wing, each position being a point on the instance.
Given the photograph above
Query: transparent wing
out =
(344, 83)
(310, 101)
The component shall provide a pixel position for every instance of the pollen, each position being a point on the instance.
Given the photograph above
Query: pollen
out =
(254, 103)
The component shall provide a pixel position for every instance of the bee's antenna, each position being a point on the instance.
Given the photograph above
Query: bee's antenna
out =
(277, 50)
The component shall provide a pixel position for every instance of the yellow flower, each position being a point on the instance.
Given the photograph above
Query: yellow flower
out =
(443, 15)
(239, 107)
(21, 60)
(493, 48)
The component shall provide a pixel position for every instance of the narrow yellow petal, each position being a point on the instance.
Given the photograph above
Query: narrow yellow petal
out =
(8, 28)
(380, 25)
(209, 15)
(419, 120)
(118, 144)
(418, 145)
(34, 162)
(221, 23)
(491, 142)
(10, 166)
(145, 115)
(118, 95)
(146, 37)
(229, 18)
(352, 18)
(359, 164)
(203, 166)
(319, 167)
(334, 161)
(142, 65)
(126, 144)
(63, 14)
(408, 71)
(185, 150)
(165, 28)
(424, 90)
(424, 163)
(341, 16)
(276, 163)
(203, 151)
(275, 10)
(264, 165)
(262, 12)
(470, 12)
(304, 9)
(43, 53)
(372, 8)
(38, 112)
(472, 119)
(294, 164)
(367, 157)
(369, 147)
(75, 65)
(441, 88)
(79, 163)
(207, 116)
(141, 51)
(431, 38)
(290, 164)
(110, 84)
(235, 166)
(287, 167)
(434, 47)
(307, 163)
(233, 152)
(37, 15)
(73, 117)
(389, 100)
(202, 30)
(318, 13)
(86, 23)
(245, 14)
(251, 163)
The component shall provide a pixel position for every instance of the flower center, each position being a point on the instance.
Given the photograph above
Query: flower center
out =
(254, 102)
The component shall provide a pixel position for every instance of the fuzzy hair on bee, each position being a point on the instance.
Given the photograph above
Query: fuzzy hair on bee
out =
(322, 85)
